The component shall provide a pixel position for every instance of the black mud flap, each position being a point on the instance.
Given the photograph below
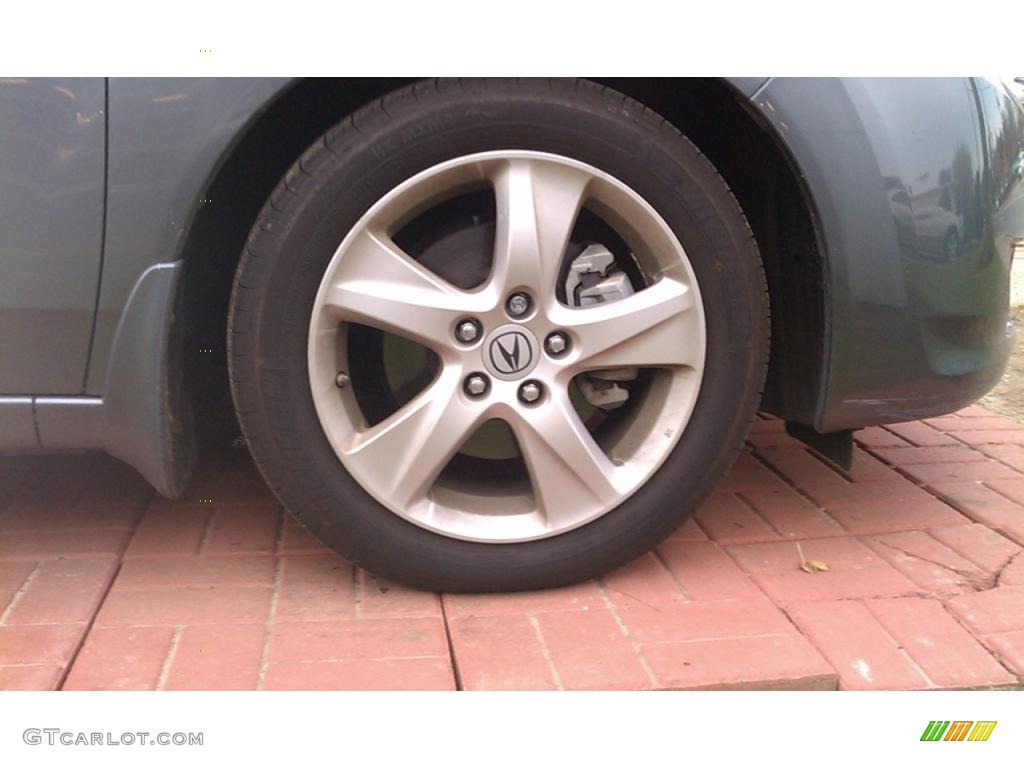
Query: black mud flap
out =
(837, 447)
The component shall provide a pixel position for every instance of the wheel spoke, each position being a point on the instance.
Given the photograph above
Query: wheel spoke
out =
(403, 455)
(380, 286)
(537, 204)
(655, 327)
(568, 469)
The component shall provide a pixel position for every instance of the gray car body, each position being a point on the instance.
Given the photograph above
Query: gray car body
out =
(101, 182)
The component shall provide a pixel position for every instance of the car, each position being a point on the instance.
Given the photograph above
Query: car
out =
(501, 334)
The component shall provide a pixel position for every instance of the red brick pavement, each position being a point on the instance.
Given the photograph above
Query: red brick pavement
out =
(103, 585)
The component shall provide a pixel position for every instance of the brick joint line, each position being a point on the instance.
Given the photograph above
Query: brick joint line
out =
(172, 649)
(89, 625)
(899, 646)
(625, 631)
(18, 595)
(546, 652)
(664, 566)
(453, 660)
(275, 591)
(744, 501)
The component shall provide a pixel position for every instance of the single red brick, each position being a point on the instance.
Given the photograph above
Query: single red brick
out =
(195, 572)
(835, 494)
(903, 457)
(1011, 455)
(705, 571)
(800, 467)
(787, 555)
(645, 581)
(947, 654)
(689, 531)
(187, 605)
(772, 439)
(876, 437)
(790, 513)
(765, 662)
(990, 436)
(1009, 649)
(62, 592)
(380, 597)
(170, 530)
(912, 513)
(1011, 488)
(578, 597)
(590, 651)
(748, 472)
(727, 519)
(35, 677)
(843, 582)
(854, 571)
(315, 588)
(991, 611)
(956, 424)
(500, 653)
(704, 620)
(961, 472)
(242, 528)
(430, 674)
(217, 658)
(978, 544)
(44, 545)
(862, 652)
(985, 505)
(67, 518)
(39, 643)
(867, 469)
(363, 639)
(929, 563)
(120, 659)
(919, 433)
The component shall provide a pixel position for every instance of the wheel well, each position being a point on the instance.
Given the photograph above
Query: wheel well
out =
(214, 244)
(706, 110)
(757, 169)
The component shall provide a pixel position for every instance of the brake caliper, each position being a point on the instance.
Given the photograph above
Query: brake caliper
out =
(594, 278)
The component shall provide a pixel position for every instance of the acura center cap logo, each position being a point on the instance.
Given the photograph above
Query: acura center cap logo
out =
(510, 352)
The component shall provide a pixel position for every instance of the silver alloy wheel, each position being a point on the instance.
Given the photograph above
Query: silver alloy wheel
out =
(572, 478)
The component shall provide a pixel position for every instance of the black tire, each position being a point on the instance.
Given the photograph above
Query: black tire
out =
(355, 164)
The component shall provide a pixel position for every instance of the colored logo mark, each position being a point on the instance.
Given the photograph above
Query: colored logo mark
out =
(958, 730)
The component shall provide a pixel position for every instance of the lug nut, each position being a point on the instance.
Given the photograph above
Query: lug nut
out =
(518, 304)
(556, 343)
(530, 392)
(341, 380)
(476, 384)
(467, 331)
